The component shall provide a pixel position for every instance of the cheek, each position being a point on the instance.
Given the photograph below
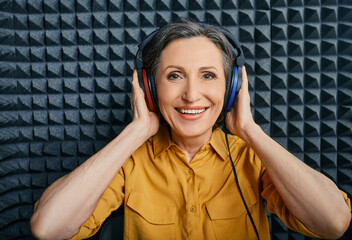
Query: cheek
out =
(217, 93)
(166, 95)
(162, 93)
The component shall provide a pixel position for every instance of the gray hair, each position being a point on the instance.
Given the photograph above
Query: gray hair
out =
(185, 28)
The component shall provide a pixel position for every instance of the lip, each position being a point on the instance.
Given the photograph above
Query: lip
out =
(192, 107)
(193, 116)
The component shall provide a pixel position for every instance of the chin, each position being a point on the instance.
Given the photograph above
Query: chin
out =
(193, 130)
(190, 129)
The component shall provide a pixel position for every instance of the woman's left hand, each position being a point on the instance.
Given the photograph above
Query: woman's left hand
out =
(309, 195)
(240, 118)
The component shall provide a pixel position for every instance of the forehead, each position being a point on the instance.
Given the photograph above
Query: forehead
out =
(195, 51)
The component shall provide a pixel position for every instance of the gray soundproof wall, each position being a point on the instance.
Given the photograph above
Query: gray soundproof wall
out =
(65, 83)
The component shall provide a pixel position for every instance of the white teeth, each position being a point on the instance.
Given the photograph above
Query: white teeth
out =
(191, 111)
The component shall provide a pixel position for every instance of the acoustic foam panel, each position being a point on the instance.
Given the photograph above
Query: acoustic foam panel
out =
(65, 83)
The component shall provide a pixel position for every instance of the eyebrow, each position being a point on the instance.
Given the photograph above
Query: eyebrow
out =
(173, 66)
(181, 68)
(207, 67)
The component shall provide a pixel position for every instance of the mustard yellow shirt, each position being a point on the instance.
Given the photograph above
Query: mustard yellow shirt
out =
(165, 197)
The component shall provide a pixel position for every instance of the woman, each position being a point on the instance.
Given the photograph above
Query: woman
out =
(176, 180)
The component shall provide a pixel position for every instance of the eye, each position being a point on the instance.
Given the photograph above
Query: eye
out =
(209, 75)
(173, 76)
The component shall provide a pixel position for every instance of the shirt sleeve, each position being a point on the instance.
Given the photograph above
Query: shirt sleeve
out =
(276, 205)
(111, 200)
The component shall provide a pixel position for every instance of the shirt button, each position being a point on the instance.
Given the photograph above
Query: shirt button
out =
(193, 209)
(190, 172)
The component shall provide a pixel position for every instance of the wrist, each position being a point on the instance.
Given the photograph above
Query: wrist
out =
(140, 130)
(250, 132)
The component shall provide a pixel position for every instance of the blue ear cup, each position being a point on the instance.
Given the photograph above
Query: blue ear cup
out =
(233, 88)
(234, 80)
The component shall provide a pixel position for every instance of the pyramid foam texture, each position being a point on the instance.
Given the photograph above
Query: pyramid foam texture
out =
(65, 84)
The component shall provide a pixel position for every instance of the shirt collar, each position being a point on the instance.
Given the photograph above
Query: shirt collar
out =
(218, 142)
(162, 141)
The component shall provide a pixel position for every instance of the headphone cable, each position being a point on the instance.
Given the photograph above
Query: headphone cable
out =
(238, 185)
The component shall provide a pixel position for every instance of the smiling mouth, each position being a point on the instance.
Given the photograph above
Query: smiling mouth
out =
(191, 111)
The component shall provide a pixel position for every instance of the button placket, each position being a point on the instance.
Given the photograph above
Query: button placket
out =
(192, 206)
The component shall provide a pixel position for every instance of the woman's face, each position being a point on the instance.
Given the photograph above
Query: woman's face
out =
(190, 82)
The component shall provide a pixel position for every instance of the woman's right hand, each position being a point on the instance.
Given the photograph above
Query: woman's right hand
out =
(148, 121)
(75, 202)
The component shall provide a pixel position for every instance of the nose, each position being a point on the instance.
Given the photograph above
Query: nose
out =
(191, 90)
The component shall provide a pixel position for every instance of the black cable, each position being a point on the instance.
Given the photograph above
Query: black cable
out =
(238, 185)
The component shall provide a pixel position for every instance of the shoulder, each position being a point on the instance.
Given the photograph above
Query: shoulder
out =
(243, 152)
(154, 145)
(144, 156)
(235, 143)
(146, 149)
(141, 155)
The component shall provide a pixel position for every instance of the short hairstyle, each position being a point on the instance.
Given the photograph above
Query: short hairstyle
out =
(185, 28)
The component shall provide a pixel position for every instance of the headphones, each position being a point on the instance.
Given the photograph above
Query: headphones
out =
(233, 81)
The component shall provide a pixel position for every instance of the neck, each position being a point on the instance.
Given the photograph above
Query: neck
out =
(190, 145)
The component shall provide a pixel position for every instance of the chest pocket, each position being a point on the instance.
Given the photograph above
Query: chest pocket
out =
(147, 220)
(229, 217)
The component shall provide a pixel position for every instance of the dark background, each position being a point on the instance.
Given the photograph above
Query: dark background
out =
(65, 82)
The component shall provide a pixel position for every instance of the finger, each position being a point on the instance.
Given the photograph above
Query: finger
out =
(244, 79)
(135, 76)
(138, 103)
(135, 86)
(135, 83)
